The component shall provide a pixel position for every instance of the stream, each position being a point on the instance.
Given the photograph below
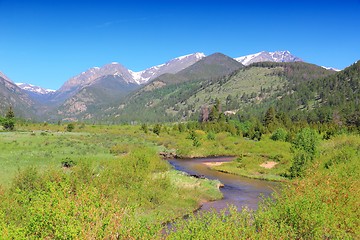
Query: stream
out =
(238, 191)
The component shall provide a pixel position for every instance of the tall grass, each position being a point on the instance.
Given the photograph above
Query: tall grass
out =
(127, 197)
(119, 188)
(324, 204)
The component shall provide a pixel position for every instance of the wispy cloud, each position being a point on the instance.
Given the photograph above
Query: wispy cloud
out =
(125, 20)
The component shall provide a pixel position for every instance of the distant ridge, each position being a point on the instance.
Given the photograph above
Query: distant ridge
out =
(277, 56)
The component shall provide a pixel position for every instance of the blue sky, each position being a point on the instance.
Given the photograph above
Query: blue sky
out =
(47, 42)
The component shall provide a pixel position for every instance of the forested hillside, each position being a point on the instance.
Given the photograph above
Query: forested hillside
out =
(247, 91)
(316, 98)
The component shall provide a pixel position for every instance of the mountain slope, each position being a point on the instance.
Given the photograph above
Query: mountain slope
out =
(92, 98)
(38, 94)
(75, 84)
(3, 76)
(12, 95)
(155, 100)
(173, 66)
(277, 56)
(210, 67)
(335, 98)
(255, 86)
(87, 78)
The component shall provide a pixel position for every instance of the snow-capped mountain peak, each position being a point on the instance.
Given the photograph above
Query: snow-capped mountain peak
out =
(173, 66)
(116, 69)
(197, 55)
(248, 59)
(34, 89)
(277, 56)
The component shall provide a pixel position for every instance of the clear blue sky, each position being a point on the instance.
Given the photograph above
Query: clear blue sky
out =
(47, 42)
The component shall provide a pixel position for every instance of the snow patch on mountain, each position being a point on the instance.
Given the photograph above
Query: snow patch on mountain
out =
(35, 89)
(196, 55)
(331, 68)
(90, 76)
(246, 60)
(277, 56)
(173, 66)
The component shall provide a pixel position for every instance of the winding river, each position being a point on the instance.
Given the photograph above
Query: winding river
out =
(238, 191)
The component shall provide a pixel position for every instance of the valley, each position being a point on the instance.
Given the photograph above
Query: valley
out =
(59, 180)
(84, 162)
(194, 120)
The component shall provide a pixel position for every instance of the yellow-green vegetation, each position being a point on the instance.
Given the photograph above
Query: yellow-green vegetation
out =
(101, 181)
(253, 155)
(324, 204)
(245, 81)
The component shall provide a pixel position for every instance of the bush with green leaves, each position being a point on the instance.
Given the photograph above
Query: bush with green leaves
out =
(157, 129)
(70, 127)
(144, 127)
(194, 137)
(305, 147)
(280, 134)
(306, 140)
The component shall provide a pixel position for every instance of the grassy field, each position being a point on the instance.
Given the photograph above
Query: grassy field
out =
(103, 181)
(253, 154)
(62, 183)
(49, 145)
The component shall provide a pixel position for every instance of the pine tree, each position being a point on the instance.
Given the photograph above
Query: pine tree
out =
(9, 121)
(270, 118)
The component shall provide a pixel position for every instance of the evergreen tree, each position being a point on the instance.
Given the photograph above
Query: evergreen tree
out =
(214, 114)
(9, 121)
(270, 119)
(10, 113)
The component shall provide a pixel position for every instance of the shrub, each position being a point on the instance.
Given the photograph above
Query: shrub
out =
(157, 129)
(279, 135)
(306, 140)
(305, 148)
(119, 149)
(144, 127)
(70, 127)
(194, 137)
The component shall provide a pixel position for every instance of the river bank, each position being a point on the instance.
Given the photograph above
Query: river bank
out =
(237, 190)
(267, 170)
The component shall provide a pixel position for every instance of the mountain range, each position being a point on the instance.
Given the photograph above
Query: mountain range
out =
(278, 56)
(171, 91)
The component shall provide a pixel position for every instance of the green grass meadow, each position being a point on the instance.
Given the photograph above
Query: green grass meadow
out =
(108, 182)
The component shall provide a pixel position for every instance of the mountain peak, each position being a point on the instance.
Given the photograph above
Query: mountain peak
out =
(198, 55)
(264, 56)
(34, 89)
(212, 66)
(172, 66)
